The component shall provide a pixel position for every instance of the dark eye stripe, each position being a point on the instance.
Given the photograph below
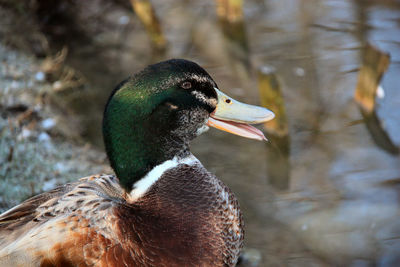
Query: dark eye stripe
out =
(209, 92)
(210, 101)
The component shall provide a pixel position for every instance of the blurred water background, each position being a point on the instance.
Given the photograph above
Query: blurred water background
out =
(332, 196)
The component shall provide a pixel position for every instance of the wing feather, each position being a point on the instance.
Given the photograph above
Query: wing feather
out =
(69, 225)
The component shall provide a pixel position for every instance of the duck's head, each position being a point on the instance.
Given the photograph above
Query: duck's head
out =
(152, 116)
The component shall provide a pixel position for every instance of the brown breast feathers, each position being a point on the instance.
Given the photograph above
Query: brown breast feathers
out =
(187, 218)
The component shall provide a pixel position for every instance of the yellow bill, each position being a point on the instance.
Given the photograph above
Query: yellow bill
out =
(234, 117)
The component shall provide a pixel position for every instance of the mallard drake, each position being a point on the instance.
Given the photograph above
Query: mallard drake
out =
(162, 208)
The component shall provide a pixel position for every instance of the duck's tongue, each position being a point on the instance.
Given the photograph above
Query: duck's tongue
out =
(233, 116)
(237, 128)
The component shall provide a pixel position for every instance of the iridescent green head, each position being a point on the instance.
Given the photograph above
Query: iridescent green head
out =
(152, 116)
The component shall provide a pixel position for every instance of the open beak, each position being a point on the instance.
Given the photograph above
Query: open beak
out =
(234, 117)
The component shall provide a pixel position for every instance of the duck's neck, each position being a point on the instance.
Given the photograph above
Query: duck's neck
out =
(136, 142)
(145, 183)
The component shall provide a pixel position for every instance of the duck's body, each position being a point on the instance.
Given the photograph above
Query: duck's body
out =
(164, 209)
(93, 223)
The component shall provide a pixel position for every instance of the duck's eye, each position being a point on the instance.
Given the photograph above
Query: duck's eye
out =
(228, 101)
(186, 85)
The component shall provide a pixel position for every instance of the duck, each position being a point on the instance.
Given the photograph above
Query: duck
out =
(161, 207)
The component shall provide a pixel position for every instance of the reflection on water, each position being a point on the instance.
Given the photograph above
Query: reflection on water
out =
(341, 203)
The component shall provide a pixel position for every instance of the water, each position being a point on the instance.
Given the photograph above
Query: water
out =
(341, 203)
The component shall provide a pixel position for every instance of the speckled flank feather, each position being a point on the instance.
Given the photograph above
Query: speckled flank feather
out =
(68, 226)
(187, 218)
